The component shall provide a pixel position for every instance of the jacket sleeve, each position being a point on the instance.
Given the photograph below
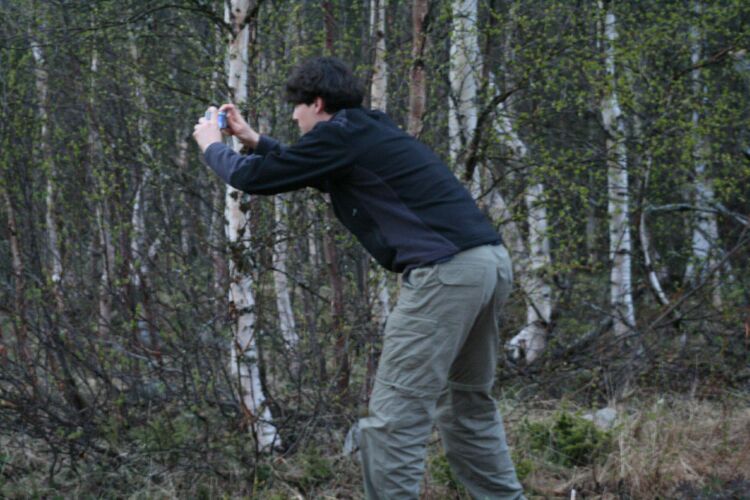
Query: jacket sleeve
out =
(272, 168)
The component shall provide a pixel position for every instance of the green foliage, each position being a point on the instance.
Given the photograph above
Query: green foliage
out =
(566, 439)
(524, 466)
(441, 473)
(164, 436)
(316, 467)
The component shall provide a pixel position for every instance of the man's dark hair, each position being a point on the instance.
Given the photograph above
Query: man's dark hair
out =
(328, 78)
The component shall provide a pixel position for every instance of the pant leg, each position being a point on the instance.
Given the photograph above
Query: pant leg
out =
(424, 333)
(470, 425)
(474, 440)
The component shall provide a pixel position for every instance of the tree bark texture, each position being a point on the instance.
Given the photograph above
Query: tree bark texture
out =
(244, 354)
(618, 208)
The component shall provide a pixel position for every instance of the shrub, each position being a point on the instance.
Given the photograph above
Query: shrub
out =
(567, 440)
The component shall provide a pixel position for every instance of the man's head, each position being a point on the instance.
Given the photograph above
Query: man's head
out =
(320, 87)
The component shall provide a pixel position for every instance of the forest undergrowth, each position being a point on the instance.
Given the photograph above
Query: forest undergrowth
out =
(659, 446)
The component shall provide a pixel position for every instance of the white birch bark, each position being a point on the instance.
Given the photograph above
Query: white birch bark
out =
(53, 229)
(531, 259)
(705, 234)
(653, 278)
(417, 93)
(57, 361)
(379, 100)
(139, 269)
(138, 264)
(379, 92)
(185, 222)
(620, 248)
(287, 323)
(105, 279)
(462, 103)
(645, 238)
(96, 157)
(244, 355)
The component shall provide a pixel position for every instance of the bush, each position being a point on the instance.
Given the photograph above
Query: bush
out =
(567, 440)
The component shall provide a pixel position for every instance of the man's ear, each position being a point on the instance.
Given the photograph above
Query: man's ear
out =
(319, 104)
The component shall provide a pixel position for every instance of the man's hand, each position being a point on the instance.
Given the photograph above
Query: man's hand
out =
(206, 131)
(238, 127)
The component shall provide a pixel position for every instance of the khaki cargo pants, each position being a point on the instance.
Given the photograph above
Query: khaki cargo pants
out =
(438, 365)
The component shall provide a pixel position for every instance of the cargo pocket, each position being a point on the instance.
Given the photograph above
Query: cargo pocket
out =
(408, 344)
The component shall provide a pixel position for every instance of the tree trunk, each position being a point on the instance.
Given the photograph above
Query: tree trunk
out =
(332, 260)
(417, 90)
(287, 324)
(705, 234)
(531, 259)
(379, 100)
(103, 222)
(244, 355)
(187, 228)
(145, 317)
(462, 103)
(620, 248)
(379, 87)
(216, 243)
(20, 324)
(57, 357)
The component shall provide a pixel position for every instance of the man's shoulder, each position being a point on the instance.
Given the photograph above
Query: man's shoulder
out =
(352, 118)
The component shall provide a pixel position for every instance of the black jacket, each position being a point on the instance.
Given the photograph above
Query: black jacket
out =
(390, 190)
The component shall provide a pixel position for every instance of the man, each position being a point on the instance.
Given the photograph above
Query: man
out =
(414, 217)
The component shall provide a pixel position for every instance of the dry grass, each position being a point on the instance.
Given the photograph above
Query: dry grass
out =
(659, 446)
(669, 447)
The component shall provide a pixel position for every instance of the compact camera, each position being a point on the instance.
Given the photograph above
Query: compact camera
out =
(222, 118)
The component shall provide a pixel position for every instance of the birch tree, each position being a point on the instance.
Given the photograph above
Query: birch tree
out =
(379, 100)
(531, 258)
(101, 215)
(287, 324)
(58, 362)
(52, 226)
(620, 247)
(417, 90)
(379, 86)
(244, 353)
(705, 232)
(140, 251)
(462, 103)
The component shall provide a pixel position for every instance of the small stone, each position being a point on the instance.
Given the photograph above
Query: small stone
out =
(604, 419)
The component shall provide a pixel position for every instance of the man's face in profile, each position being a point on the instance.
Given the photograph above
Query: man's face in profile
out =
(305, 116)
(308, 115)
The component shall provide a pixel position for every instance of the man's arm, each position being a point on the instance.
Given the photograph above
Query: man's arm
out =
(273, 168)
